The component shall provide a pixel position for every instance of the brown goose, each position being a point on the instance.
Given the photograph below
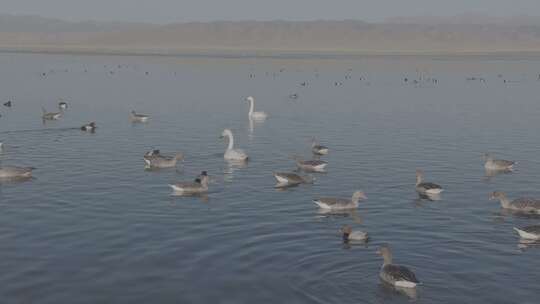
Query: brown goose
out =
(522, 204)
(395, 275)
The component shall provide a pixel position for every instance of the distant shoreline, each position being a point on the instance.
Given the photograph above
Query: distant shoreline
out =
(239, 53)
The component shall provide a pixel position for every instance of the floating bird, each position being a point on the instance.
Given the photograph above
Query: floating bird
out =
(427, 188)
(340, 203)
(291, 179)
(152, 153)
(8, 104)
(50, 115)
(497, 164)
(138, 117)
(520, 204)
(395, 275)
(200, 185)
(314, 165)
(318, 149)
(350, 235)
(252, 114)
(14, 172)
(154, 159)
(293, 96)
(62, 105)
(529, 232)
(231, 153)
(90, 127)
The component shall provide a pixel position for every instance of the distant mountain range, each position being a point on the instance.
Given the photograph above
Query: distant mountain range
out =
(465, 33)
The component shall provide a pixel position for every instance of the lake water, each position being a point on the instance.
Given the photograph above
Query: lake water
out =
(93, 226)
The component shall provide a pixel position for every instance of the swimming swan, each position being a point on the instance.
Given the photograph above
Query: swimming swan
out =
(231, 153)
(252, 114)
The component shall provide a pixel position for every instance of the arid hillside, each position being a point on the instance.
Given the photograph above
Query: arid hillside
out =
(396, 35)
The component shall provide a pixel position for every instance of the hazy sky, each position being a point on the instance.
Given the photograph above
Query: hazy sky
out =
(164, 11)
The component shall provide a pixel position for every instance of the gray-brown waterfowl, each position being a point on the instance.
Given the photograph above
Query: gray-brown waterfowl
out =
(529, 232)
(15, 172)
(317, 148)
(50, 115)
(200, 185)
(89, 127)
(350, 235)
(285, 179)
(395, 275)
(497, 164)
(62, 105)
(154, 159)
(340, 203)
(523, 204)
(424, 187)
(314, 165)
(135, 117)
(8, 104)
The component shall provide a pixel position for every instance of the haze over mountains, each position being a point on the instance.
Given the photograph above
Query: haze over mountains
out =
(464, 33)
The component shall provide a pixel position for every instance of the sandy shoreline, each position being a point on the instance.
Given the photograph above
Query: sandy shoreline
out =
(255, 53)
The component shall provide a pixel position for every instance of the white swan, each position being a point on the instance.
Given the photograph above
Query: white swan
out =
(231, 153)
(252, 114)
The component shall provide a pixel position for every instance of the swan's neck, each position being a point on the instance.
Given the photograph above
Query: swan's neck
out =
(251, 106)
(231, 141)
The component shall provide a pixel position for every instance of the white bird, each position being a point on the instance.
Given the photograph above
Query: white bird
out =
(340, 203)
(252, 114)
(138, 117)
(529, 232)
(395, 275)
(231, 153)
(200, 185)
(350, 235)
(427, 188)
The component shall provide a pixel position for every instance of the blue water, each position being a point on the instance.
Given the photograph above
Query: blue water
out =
(93, 226)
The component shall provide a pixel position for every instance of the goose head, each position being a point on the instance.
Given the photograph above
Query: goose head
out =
(346, 230)
(358, 195)
(497, 195)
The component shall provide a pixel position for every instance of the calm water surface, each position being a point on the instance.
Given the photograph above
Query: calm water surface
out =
(94, 227)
